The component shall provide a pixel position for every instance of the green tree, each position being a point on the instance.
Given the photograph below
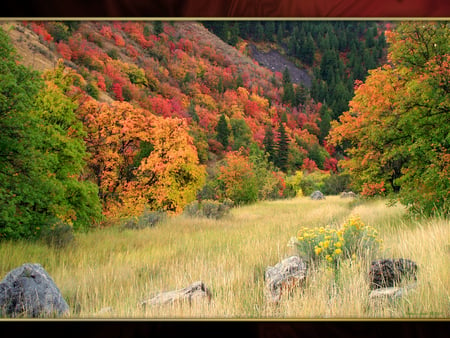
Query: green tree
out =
(288, 88)
(242, 134)
(42, 153)
(269, 144)
(397, 128)
(223, 132)
(282, 149)
(66, 152)
(158, 27)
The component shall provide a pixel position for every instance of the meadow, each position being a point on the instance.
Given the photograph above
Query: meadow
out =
(117, 268)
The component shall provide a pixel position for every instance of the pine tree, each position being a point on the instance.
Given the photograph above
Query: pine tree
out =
(223, 132)
(282, 149)
(158, 27)
(270, 30)
(269, 145)
(288, 93)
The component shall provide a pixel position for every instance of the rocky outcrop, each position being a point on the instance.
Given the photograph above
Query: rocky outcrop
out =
(190, 294)
(284, 277)
(29, 291)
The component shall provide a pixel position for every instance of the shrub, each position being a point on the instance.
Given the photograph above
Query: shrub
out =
(360, 239)
(313, 181)
(59, 235)
(113, 53)
(336, 183)
(92, 90)
(354, 239)
(209, 208)
(293, 185)
(147, 219)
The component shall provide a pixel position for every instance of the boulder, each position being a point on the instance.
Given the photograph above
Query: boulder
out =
(30, 292)
(385, 273)
(348, 194)
(317, 195)
(284, 277)
(192, 293)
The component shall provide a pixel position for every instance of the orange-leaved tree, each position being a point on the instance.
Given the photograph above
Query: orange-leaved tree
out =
(140, 160)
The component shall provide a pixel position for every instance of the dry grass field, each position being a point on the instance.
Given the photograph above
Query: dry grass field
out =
(117, 269)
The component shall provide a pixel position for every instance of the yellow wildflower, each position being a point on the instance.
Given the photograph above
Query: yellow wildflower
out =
(326, 244)
(328, 258)
(317, 250)
(337, 251)
(338, 244)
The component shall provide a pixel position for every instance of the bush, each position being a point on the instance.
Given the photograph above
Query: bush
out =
(313, 181)
(58, 30)
(208, 208)
(336, 183)
(293, 185)
(59, 235)
(354, 239)
(113, 53)
(147, 219)
(92, 90)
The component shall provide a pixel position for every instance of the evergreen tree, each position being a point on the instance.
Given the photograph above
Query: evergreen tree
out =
(301, 95)
(270, 30)
(280, 32)
(308, 50)
(259, 32)
(242, 134)
(282, 149)
(223, 132)
(158, 27)
(325, 120)
(269, 144)
(233, 34)
(192, 112)
(288, 93)
(239, 81)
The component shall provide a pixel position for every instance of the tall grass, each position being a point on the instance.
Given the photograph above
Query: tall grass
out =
(117, 269)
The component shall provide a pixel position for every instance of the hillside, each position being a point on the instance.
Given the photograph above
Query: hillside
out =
(125, 117)
(164, 112)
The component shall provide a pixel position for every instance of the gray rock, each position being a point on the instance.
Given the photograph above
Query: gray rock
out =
(317, 195)
(391, 292)
(195, 292)
(284, 277)
(30, 292)
(348, 194)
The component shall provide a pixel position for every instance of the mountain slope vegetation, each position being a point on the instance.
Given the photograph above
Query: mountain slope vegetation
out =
(153, 115)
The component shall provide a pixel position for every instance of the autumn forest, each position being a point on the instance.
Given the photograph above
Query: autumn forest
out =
(141, 117)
